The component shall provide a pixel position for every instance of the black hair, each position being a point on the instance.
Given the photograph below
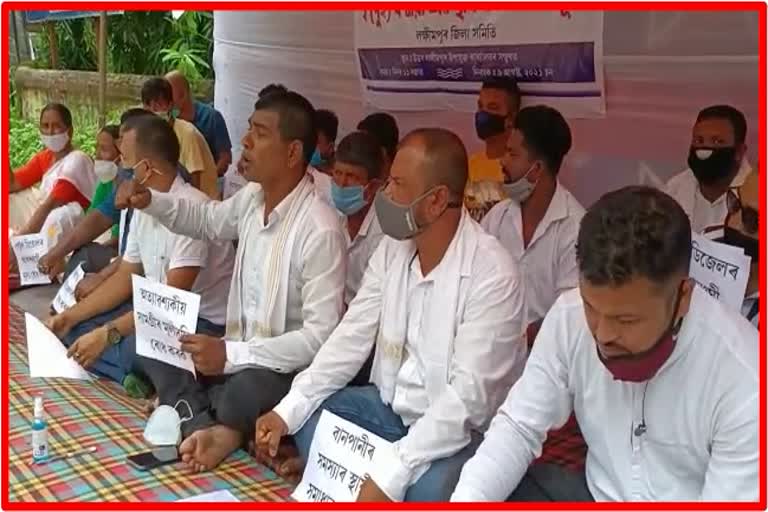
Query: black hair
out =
(545, 134)
(509, 86)
(272, 88)
(156, 89)
(327, 123)
(155, 137)
(384, 127)
(361, 149)
(134, 112)
(632, 232)
(296, 118)
(59, 108)
(112, 129)
(730, 114)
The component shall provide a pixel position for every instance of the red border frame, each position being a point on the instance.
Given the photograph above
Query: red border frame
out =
(592, 5)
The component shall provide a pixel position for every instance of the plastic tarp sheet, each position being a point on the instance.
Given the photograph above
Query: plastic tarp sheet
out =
(661, 68)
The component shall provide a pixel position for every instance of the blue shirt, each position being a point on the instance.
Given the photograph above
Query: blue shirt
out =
(211, 124)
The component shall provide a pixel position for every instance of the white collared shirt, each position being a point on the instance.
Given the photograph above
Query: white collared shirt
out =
(700, 412)
(548, 264)
(488, 353)
(322, 184)
(159, 250)
(360, 251)
(316, 275)
(686, 190)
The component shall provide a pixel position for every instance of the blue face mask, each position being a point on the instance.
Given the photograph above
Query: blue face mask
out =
(317, 159)
(348, 200)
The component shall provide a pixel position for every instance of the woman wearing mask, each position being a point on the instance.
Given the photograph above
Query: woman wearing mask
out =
(105, 168)
(66, 178)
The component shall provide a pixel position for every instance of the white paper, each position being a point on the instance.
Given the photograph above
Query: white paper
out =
(47, 355)
(28, 250)
(340, 456)
(721, 270)
(161, 315)
(212, 497)
(65, 298)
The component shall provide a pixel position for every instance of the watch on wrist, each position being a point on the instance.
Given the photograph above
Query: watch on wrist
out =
(113, 335)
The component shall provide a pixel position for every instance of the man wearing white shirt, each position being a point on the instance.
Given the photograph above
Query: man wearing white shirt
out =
(441, 301)
(538, 225)
(100, 328)
(662, 378)
(287, 289)
(742, 230)
(717, 162)
(356, 179)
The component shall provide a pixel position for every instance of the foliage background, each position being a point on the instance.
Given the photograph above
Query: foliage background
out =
(138, 42)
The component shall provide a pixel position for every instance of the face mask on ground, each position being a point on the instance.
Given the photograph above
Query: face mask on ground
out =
(105, 170)
(348, 200)
(55, 142)
(644, 366)
(521, 189)
(736, 238)
(164, 425)
(711, 165)
(487, 125)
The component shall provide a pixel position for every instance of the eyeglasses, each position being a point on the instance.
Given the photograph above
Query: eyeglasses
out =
(749, 215)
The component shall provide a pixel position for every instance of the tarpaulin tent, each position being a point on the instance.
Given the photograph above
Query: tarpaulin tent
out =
(661, 68)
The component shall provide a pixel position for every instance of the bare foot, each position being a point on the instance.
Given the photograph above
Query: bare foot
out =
(287, 463)
(206, 449)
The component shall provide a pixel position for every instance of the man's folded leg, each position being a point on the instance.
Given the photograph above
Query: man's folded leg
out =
(550, 482)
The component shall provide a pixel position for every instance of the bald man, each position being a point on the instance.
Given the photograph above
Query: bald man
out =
(206, 119)
(441, 302)
(742, 230)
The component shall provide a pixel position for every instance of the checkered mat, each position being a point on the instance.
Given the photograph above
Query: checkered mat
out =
(82, 414)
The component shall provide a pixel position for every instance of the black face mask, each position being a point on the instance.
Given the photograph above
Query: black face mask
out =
(718, 165)
(487, 125)
(736, 238)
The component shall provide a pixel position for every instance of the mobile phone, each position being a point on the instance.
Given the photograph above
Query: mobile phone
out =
(154, 459)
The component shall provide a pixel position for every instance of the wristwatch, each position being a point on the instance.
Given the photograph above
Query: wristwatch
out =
(113, 335)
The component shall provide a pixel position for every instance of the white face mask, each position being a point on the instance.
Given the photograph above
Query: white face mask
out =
(55, 142)
(521, 189)
(164, 426)
(105, 170)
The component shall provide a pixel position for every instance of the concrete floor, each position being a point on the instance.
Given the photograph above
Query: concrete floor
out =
(35, 299)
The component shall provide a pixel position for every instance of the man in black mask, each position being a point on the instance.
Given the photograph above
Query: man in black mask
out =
(717, 163)
(497, 106)
(742, 230)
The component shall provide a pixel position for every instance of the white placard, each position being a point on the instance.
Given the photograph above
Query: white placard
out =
(341, 454)
(721, 270)
(46, 354)
(28, 250)
(212, 497)
(437, 59)
(161, 315)
(65, 298)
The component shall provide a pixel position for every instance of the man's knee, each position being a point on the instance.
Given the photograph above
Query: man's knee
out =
(248, 394)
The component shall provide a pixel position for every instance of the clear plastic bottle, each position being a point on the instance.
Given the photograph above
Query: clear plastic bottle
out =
(39, 432)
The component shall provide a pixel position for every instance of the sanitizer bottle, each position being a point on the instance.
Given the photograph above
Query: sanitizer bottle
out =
(39, 433)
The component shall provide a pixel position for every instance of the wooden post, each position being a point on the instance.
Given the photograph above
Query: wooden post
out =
(53, 47)
(102, 68)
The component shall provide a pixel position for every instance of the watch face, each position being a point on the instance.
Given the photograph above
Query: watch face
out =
(113, 335)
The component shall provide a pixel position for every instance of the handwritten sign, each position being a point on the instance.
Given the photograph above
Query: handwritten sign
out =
(721, 270)
(162, 314)
(340, 456)
(65, 299)
(28, 250)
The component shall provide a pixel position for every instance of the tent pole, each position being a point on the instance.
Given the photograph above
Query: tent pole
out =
(102, 68)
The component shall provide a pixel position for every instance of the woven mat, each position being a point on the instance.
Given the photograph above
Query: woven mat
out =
(83, 414)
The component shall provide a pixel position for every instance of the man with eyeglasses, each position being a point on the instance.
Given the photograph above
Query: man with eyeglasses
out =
(741, 230)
